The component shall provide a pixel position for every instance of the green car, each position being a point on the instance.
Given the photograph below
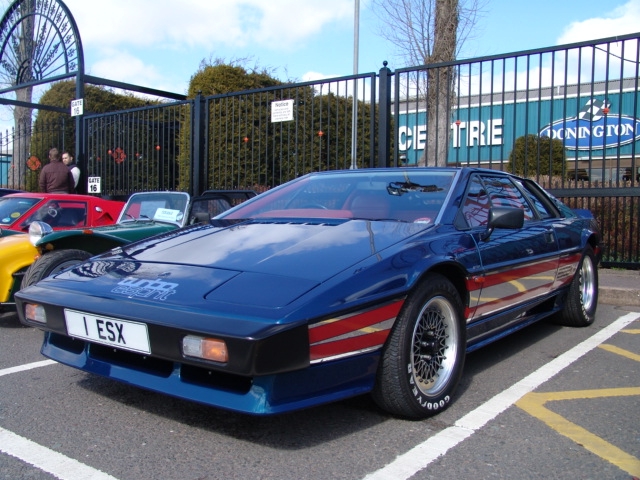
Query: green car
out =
(145, 214)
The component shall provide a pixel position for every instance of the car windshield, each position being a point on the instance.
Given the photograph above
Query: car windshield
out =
(401, 194)
(167, 207)
(12, 208)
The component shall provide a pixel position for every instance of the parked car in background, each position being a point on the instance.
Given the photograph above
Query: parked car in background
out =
(146, 214)
(58, 211)
(628, 174)
(332, 285)
(581, 174)
(7, 191)
(19, 210)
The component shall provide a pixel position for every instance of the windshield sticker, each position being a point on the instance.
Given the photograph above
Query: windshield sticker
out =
(167, 214)
(142, 288)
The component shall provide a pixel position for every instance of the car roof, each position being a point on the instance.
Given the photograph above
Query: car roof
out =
(411, 169)
(57, 196)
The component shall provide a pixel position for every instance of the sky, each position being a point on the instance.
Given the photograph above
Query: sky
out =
(161, 43)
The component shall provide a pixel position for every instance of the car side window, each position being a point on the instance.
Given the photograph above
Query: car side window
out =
(475, 208)
(504, 193)
(61, 213)
(541, 204)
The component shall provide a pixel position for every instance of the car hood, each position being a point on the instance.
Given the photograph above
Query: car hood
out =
(13, 245)
(126, 231)
(266, 264)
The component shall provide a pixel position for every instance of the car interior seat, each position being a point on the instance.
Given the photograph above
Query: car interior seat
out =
(70, 217)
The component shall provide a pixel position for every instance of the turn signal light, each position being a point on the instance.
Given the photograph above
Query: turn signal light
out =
(206, 348)
(35, 313)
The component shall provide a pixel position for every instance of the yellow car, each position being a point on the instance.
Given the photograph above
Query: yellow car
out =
(16, 254)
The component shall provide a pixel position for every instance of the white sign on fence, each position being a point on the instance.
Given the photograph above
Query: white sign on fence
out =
(282, 111)
(77, 107)
(93, 185)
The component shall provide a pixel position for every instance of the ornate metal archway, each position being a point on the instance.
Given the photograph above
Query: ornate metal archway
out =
(39, 43)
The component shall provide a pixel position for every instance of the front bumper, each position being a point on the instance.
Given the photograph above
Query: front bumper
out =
(258, 395)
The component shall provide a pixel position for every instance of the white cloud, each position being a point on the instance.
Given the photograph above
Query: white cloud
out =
(609, 59)
(124, 67)
(205, 23)
(311, 76)
(622, 20)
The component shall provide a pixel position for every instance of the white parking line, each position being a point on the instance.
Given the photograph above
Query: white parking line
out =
(41, 457)
(419, 457)
(27, 366)
(47, 460)
(403, 467)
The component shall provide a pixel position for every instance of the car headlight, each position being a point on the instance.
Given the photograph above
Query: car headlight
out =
(35, 313)
(37, 230)
(212, 349)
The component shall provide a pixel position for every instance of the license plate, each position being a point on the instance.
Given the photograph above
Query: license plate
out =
(122, 334)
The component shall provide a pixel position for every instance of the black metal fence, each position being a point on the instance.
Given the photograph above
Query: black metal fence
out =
(261, 139)
(138, 150)
(566, 116)
(25, 148)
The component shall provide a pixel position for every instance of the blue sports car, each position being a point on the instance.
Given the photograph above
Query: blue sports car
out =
(332, 285)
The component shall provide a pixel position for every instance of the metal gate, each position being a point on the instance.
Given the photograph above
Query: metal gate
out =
(582, 96)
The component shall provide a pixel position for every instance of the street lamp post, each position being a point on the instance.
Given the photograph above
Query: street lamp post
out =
(354, 118)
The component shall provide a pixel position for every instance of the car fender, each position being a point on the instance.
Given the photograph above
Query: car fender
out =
(87, 240)
(102, 239)
(392, 273)
(16, 253)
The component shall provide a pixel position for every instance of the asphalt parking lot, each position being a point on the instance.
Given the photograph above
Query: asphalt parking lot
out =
(547, 402)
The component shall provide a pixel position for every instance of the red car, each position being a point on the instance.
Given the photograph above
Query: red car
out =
(61, 211)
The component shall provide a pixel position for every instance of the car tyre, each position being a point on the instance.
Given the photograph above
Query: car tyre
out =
(423, 358)
(51, 263)
(582, 298)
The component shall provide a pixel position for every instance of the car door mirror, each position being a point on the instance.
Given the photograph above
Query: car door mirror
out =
(503, 217)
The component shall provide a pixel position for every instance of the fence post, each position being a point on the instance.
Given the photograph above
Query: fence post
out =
(198, 129)
(384, 123)
(81, 144)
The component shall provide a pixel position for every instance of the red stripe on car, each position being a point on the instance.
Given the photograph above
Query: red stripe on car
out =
(343, 325)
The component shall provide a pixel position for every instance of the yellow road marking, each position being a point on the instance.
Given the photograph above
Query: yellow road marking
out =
(533, 403)
(620, 351)
(634, 331)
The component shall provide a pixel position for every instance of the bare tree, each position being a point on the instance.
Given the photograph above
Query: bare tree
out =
(430, 32)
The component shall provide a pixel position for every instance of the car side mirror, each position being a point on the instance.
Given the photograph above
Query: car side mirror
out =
(503, 217)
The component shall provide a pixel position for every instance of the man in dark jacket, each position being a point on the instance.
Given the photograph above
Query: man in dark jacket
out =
(55, 176)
